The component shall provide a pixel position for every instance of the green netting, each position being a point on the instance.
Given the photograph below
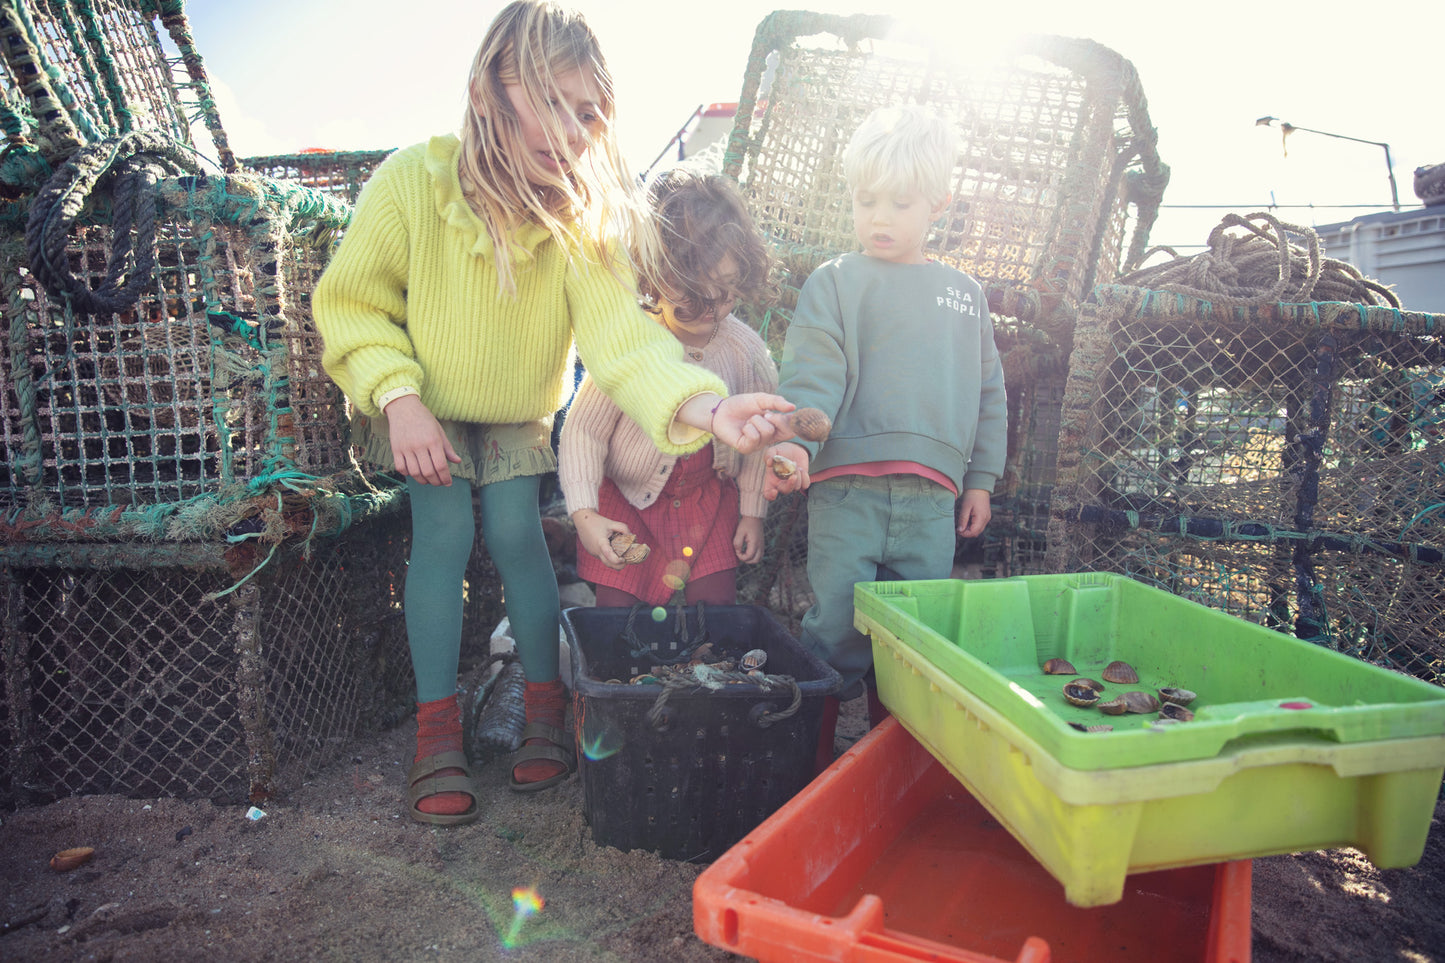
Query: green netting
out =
(331, 171)
(1282, 461)
(77, 72)
(1057, 180)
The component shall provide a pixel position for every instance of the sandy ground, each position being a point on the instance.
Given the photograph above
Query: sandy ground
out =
(335, 872)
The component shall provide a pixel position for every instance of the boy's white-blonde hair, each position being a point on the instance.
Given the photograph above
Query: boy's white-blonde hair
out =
(900, 149)
(594, 208)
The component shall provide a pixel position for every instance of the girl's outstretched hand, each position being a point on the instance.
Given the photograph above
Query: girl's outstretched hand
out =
(742, 421)
(419, 447)
(594, 533)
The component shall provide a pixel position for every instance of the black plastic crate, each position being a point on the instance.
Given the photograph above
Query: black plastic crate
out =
(689, 777)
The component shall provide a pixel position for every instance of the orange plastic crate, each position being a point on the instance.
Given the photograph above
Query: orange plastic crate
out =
(887, 857)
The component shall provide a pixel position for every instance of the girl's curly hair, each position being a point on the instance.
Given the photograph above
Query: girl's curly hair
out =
(701, 217)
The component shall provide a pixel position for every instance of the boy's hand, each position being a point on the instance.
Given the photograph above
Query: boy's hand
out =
(773, 486)
(748, 540)
(594, 532)
(419, 447)
(974, 511)
(742, 421)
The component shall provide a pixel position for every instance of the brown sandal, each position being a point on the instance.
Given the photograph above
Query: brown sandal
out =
(423, 782)
(552, 750)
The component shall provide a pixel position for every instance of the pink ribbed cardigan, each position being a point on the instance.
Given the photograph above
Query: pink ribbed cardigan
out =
(599, 441)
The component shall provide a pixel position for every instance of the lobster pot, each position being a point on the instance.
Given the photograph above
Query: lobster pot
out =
(1056, 180)
(91, 71)
(211, 378)
(1282, 462)
(145, 677)
(337, 172)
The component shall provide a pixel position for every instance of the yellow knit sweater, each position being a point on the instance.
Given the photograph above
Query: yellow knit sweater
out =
(412, 299)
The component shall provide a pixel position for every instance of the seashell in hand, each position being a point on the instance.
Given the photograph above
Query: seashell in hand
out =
(783, 467)
(628, 547)
(809, 423)
(1059, 667)
(1120, 672)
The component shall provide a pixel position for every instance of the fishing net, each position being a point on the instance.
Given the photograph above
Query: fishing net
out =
(331, 171)
(201, 588)
(1280, 460)
(147, 677)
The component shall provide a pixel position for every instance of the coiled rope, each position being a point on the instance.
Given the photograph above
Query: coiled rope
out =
(130, 166)
(1261, 266)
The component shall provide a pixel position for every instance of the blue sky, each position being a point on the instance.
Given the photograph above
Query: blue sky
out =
(352, 74)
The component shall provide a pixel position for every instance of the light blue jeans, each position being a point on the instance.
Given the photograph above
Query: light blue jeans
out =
(856, 524)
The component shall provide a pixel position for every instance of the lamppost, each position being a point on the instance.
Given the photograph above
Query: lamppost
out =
(1289, 128)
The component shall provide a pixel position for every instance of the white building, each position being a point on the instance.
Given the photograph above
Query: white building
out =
(1403, 249)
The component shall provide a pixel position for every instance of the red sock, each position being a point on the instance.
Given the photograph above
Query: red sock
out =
(546, 702)
(439, 729)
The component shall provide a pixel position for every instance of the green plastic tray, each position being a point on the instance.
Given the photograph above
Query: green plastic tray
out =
(993, 636)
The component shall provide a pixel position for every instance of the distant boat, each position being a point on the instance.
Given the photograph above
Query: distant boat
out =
(706, 129)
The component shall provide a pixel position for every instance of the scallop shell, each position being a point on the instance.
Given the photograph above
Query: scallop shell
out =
(628, 547)
(1094, 684)
(783, 467)
(1179, 697)
(753, 659)
(1121, 672)
(1095, 728)
(1141, 701)
(810, 424)
(1059, 667)
(1081, 695)
(68, 859)
(1178, 713)
(1114, 707)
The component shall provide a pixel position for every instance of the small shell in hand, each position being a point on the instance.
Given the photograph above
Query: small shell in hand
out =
(626, 545)
(808, 423)
(783, 467)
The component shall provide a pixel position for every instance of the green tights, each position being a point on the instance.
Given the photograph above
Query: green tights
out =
(442, 530)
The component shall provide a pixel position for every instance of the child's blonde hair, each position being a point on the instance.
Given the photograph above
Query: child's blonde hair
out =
(904, 148)
(530, 43)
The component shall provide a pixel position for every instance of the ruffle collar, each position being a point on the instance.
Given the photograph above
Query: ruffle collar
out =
(442, 157)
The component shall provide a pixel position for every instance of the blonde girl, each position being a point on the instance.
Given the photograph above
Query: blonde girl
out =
(450, 311)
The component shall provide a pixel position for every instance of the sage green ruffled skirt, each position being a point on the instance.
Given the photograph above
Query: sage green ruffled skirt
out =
(489, 453)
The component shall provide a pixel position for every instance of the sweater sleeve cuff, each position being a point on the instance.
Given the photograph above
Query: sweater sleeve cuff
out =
(388, 397)
(683, 434)
(752, 505)
(978, 479)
